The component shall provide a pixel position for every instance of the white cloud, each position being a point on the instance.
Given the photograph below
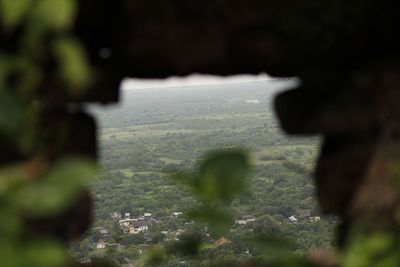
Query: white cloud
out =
(191, 80)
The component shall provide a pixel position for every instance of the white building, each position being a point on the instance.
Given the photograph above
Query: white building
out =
(138, 227)
(241, 222)
(104, 232)
(101, 245)
(249, 218)
(126, 222)
(292, 219)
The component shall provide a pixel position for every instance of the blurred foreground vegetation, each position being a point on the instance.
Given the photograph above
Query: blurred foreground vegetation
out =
(35, 34)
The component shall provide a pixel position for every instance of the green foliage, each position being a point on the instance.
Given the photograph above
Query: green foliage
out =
(372, 249)
(10, 104)
(73, 66)
(43, 253)
(22, 196)
(46, 25)
(56, 190)
(36, 253)
(54, 15)
(189, 245)
(272, 247)
(13, 12)
(132, 240)
(219, 169)
(217, 218)
(36, 26)
(154, 257)
(222, 175)
(154, 134)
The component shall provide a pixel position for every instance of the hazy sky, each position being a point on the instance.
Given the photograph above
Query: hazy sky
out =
(194, 79)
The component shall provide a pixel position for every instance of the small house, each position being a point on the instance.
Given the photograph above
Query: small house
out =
(241, 222)
(293, 219)
(101, 245)
(104, 232)
(126, 222)
(137, 227)
(249, 218)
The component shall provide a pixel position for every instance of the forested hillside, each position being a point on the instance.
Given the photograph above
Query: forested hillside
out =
(155, 133)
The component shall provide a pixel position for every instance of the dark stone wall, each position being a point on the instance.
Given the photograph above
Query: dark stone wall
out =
(345, 53)
(156, 38)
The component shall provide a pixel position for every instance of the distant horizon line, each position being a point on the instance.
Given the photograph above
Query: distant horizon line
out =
(192, 85)
(194, 80)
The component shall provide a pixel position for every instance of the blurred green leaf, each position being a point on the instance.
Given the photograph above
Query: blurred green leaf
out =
(52, 14)
(54, 192)
(10, 177)
(273, 247)
(11, 114)
(217, 219)
(189, 245)
(154, 257)
(375, 249)
(10, 223)
(74, 170)
(29, 139)
(389, 260)
(13, 11)
(5, 61)
(9, 254)
(73, 65)
(41, 199)
(183, 179)
(43, 253)
(222, 175)
(24, 67)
